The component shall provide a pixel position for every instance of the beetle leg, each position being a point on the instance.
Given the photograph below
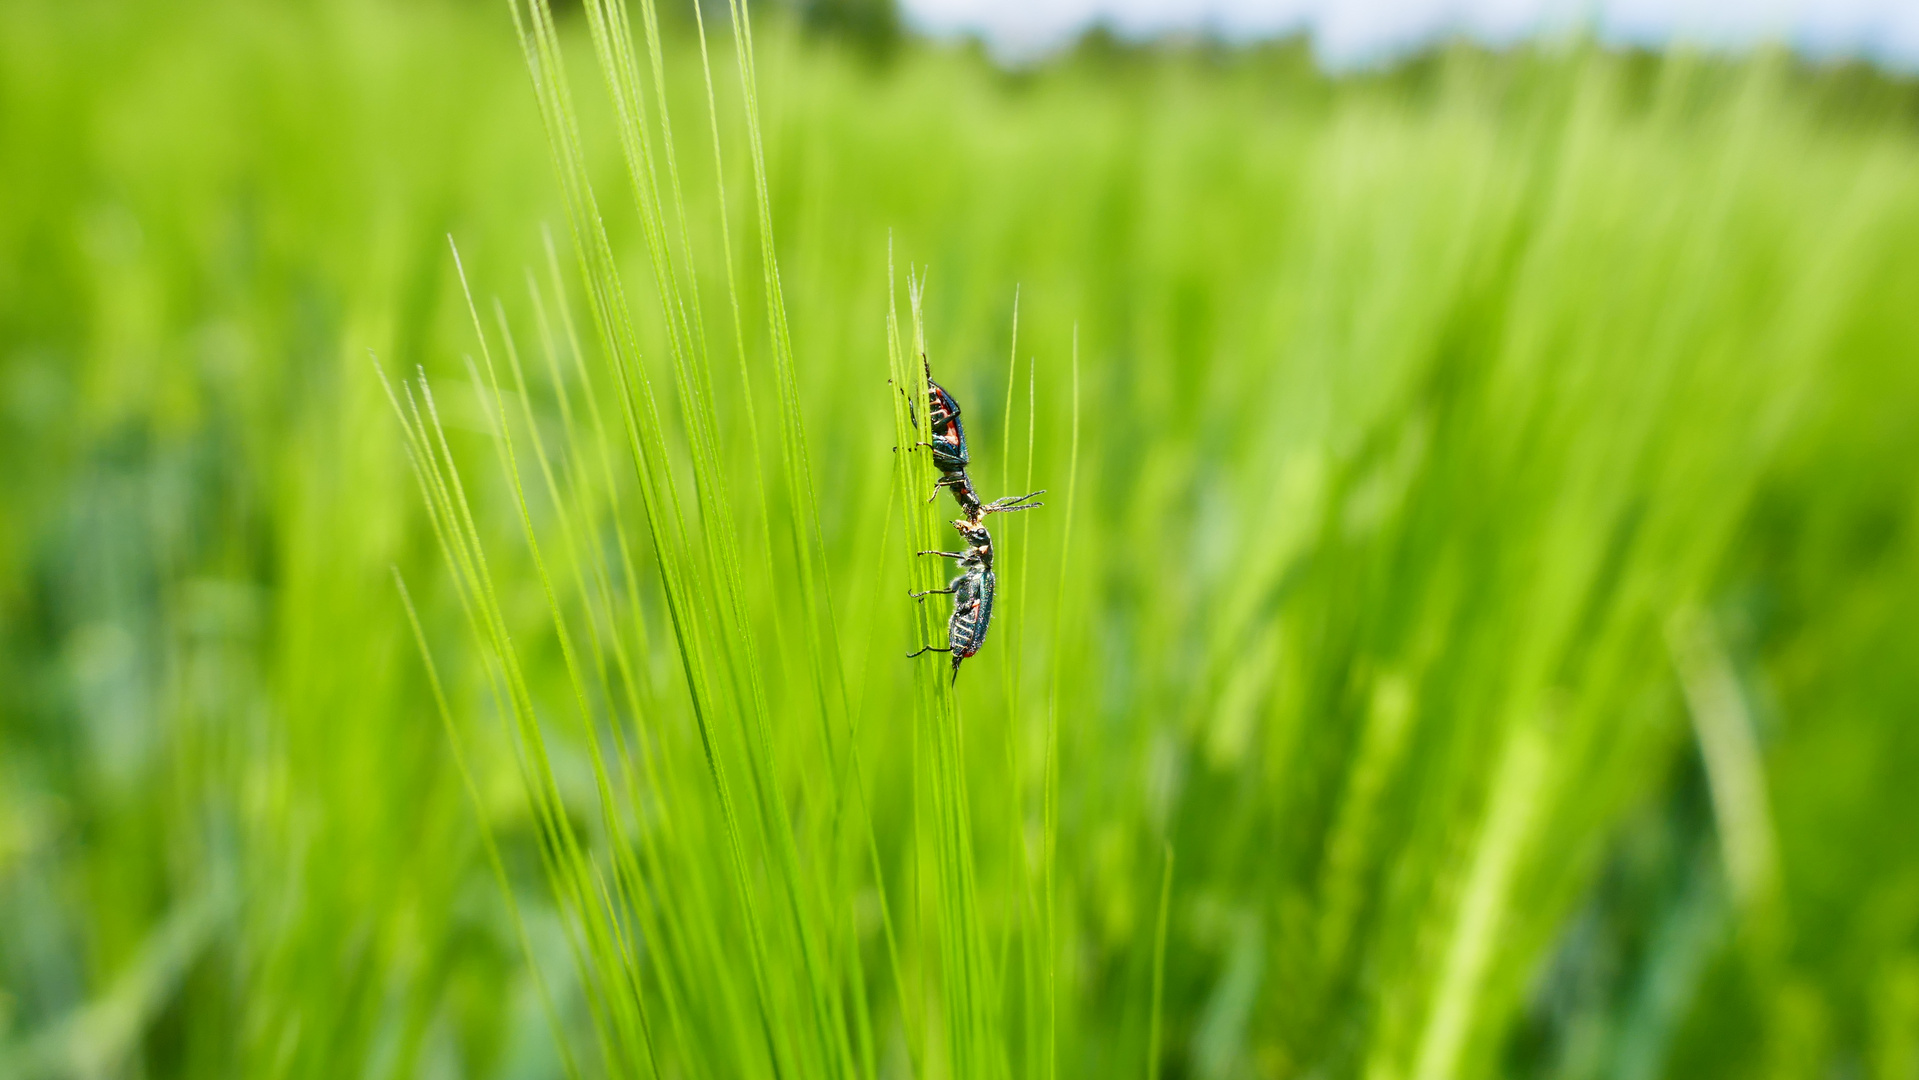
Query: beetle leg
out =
(910, 414)
(944, 482)
(931, 592)
(948, 554)
(949, 482)
(926, 649)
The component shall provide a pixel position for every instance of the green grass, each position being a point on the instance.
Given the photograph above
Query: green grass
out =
(1468, 633)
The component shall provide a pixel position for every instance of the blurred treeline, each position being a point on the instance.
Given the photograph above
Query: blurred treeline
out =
(1493, 571)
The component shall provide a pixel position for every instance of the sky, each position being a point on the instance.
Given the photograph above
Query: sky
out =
(1356, 33)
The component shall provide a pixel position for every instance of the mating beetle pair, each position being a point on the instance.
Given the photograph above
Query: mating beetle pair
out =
(972, 591)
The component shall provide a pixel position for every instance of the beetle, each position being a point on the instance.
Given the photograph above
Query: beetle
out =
(943, 423)
(950, 453)
(943, 419)
(951, 457)
(972, 593)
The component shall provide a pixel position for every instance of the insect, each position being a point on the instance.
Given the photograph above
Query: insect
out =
(950, 454)
(972, 593)
(943, 418)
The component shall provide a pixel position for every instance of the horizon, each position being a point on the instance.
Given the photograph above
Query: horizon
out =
(1372, 33)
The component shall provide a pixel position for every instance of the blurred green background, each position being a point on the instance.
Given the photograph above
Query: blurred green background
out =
(1489, 570)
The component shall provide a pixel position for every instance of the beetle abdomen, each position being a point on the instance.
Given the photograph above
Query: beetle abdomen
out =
(949, 434)
(972, 613)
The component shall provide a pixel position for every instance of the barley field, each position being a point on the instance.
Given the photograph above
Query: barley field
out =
(460, 499)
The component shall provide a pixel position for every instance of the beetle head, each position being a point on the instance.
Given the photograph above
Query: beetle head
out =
(974, 532)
